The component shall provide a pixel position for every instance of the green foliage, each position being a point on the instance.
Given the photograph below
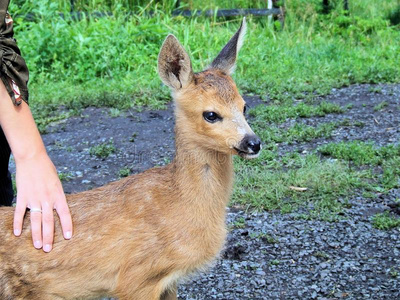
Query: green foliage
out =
(103, 150)
(112, 61)
(385, 221)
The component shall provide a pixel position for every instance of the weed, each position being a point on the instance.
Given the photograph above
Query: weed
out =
(239, 223)
(359, 124)
(375, 90)
(114, 112)
(103, 150)
(65, 176)
(124, 172)
(321, 254)
(380, 106)
(265, 237)
(385, 221)
(274, 262)
(393, 272)
(133, 137)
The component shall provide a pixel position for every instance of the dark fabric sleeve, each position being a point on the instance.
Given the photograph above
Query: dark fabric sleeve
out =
(13, 69)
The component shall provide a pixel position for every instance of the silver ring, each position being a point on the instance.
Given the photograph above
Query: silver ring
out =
(36, 210)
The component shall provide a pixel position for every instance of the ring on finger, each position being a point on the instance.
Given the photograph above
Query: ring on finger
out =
(36, 210)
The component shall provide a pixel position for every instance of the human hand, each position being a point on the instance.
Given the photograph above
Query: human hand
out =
(40, 189)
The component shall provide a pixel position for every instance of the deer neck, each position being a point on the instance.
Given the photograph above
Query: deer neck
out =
(204, 177)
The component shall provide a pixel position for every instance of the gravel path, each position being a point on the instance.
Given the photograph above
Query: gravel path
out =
(268, 255)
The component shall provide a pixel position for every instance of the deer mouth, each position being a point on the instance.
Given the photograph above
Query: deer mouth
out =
(246, 154)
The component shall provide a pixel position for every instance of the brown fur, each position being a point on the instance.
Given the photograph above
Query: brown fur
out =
(135, 238)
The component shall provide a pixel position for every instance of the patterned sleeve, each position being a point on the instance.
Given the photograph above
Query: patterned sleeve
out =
(13, 69)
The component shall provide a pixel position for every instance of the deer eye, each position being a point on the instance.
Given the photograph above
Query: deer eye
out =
(211, 116)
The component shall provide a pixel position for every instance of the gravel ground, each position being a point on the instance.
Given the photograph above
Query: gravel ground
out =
(267, 255)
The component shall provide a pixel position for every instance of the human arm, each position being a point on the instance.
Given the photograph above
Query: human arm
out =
(38, 184)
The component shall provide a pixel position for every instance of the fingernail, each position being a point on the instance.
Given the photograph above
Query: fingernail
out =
(68, 234)
(37, 244)
(17, 232)
(47, 248)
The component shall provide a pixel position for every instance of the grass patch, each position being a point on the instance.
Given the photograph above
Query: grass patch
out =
(281, 113)
(327, 183)
(360, 153)
(391, 173)
(385, 221)
(296, 133)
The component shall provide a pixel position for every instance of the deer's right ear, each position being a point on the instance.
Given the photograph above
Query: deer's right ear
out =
(174, 66)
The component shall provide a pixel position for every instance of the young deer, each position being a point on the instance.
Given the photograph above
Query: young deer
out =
(137, 237)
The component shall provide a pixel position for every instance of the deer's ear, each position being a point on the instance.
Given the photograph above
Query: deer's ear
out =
(226, 59)
(174, 66)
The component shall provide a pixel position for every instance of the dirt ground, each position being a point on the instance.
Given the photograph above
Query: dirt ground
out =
(307, 259)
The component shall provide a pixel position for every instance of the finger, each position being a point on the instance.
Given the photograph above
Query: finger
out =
(36, 226)
(19, 214)
(48, 228)
(65, 218)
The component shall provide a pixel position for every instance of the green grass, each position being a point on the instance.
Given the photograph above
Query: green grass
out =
(296, 133)
(385, 221)
(368, 155)
(280, 113)
(361, 153)
(327, 183)
(321, 186)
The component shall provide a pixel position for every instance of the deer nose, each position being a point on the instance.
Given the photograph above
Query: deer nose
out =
(251, 143)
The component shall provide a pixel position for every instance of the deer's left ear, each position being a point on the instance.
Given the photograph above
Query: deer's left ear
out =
(226, 59)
